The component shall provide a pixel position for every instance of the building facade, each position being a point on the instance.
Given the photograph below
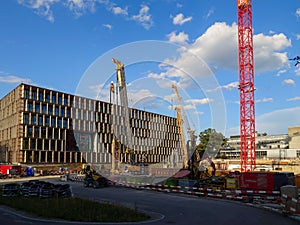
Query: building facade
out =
(282, 146)
(39, 125)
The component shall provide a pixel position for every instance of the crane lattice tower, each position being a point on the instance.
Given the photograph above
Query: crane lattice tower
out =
(246, 85)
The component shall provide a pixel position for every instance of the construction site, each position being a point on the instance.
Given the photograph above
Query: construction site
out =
(49, 130)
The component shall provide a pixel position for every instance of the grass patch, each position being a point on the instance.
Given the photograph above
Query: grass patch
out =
(73, 209)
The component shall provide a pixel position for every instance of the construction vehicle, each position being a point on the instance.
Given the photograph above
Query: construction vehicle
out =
(93, 179)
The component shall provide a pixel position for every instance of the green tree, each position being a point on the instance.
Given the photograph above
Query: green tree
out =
(211, 141)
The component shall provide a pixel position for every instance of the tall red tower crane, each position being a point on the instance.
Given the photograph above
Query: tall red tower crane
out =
(246, 85)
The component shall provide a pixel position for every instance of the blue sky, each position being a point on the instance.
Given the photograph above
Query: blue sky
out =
(68, 46)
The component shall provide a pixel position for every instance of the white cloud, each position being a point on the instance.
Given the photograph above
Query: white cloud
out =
(265, 122)
(264, 100)
(280, 72)
(108, 26)
(297, 98)
(40, 7)
(202, 101)
(180, 38)
(298, 12)
(119, 11)
(144, 17)
(210, 12)
(289, 82)
(268, 52)
(298, 36)
(14, 79)
(179, 19)
(297, 71)
(230, 86)
(78, 7)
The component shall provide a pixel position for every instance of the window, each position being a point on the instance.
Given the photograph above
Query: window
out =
(65, 100)
(46, 144)
(56, 133)
(33, 120)
(25, 143)
(34, 95)
(65, 123)
(47, 121)
(53, 98)
(32, 143)
(40, 120)
(52, 145)
(37, 107)
(59, 123)
(40, 144)
(53, 124)
(30, 106)
(29, 131)
(41, 96)
(59, 100)
(50, 133)
(26, 93)
(48, 97)
(43, 132)
(62, 112)
(50, 109)
(26, 119)
(36, 132)
(56, 111)
(68, 112)
(44, 108)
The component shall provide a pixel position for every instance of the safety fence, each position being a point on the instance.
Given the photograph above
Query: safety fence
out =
(290, 204)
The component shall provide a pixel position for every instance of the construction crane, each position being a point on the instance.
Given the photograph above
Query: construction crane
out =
(246, 85)
(181, 132)
(183, 118)
(124, 110)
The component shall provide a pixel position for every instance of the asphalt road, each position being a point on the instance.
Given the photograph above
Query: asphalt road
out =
(166, 208)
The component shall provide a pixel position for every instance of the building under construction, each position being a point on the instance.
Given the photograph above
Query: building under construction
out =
(39, 125)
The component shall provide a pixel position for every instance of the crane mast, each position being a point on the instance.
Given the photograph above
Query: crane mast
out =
(246, 85)
(181, 132)
(124, 110)
(182, 117)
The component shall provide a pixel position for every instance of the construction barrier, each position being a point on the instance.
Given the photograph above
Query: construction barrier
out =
(290, 204)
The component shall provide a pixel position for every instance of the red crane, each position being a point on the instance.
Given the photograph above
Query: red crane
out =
(246, 85)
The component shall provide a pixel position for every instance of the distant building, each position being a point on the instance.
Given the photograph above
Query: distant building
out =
(284, 146)
(39, 125)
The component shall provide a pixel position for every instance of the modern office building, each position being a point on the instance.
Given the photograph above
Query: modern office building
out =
(39, 125)
(283, 146)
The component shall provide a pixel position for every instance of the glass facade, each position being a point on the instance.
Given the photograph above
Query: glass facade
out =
(62, 128)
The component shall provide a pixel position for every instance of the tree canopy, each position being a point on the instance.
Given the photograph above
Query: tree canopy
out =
(210, 141)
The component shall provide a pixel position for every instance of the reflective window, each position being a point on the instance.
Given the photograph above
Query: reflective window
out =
(53, 98)
(59, 99)
(44, 108)
(26, 93)
(50, 109)
(26, 119)
(41, 96)
(37, 107)
(47, 97)
(30, 106)
(34, 95)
